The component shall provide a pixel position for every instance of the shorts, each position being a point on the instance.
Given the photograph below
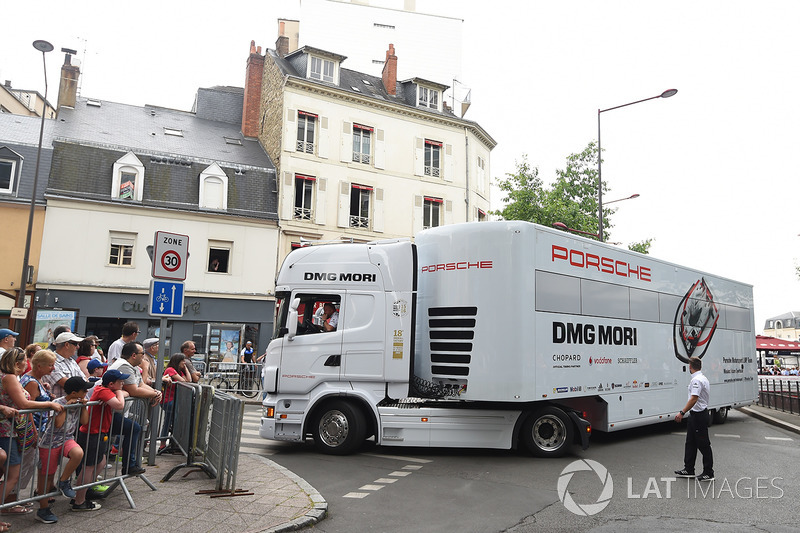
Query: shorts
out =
(11, 447)
(51, 457)
(95, 447)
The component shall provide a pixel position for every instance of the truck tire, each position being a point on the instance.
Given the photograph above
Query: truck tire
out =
(720, 415)
(548, 432)
(338, 428)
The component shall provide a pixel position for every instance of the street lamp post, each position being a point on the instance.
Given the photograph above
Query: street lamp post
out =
(665, 94)
(43, 47)
(564, 227)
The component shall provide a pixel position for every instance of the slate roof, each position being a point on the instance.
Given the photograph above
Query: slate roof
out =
(21, 134)
(354, 82)
(90, 139)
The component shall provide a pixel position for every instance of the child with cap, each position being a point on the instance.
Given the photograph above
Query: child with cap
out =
(56, 441)
(93, 436)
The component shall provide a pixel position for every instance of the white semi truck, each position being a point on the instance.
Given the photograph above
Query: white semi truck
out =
(492, 335)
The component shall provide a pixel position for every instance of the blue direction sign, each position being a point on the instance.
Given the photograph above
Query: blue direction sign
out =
(166, 298)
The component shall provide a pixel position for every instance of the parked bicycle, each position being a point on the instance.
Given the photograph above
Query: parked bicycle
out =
(239, 378)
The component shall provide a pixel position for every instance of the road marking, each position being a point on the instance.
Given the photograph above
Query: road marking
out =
(400, 474)
(779, 438)
(399, 458)
(678, 433)
(371, 487)
(412, 467)
(356, 495)
(722, 435)
(384, 480)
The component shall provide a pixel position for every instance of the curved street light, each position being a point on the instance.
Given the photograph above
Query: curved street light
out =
(666, 94)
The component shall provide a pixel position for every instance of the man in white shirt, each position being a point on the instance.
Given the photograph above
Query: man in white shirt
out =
(8, 339)
(66, 366)
(697, 427)
(330, 317)
(129, 332)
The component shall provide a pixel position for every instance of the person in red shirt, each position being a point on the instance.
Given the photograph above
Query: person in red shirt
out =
(93, 436)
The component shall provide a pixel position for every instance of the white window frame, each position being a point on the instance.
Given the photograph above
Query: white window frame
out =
(362, 144)
(12, 179)
(357, 214)
(128, 164)
(222, 246)
(433, 148)
(118, 243)
(303, 143)
(432, 212)
(304, 202)
(427, 97)
(213, 175)
(321, 69)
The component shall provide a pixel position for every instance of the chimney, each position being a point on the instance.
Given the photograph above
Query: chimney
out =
(390, 71)
(68, 87)
(282, 46)
(254, 73)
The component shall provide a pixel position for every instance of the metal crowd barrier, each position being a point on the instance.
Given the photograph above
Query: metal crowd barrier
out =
(207, 429)
(235, 378)
(779, 394)
(25, 488)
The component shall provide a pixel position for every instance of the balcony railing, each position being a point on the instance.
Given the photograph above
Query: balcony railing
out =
(359, 222)
(302, 213)
(432, 171)
(303, 146)
(359, 157)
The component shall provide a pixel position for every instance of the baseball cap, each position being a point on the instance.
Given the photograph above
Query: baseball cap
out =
(249, 342)
(5, 332)
(147, 343)
(113, 375)
(67, 336)
(94, 364)
(76, 383)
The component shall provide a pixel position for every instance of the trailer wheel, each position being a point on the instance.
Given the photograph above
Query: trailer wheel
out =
(720, 415)
(338, 428)
(548, 432)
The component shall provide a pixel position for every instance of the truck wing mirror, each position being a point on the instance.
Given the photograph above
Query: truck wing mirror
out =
(292, 321)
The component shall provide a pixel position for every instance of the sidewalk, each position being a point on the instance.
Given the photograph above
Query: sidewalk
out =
(787, 421)
(281, 502)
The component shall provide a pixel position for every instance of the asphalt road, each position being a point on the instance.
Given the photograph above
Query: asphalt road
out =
(423, 489)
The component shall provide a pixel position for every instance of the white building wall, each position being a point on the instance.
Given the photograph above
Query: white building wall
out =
(427, 46)
(398, 180)
(75, 249)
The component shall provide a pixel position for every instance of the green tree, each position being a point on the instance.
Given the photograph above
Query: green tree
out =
(571, 200)
(643, 247)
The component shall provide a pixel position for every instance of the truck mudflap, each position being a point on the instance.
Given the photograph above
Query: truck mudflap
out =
(583, 426)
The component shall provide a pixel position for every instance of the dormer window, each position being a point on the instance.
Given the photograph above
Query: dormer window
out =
(321, 69)
(128, 179)
(427, 97)
(213, 188)
(10, 162)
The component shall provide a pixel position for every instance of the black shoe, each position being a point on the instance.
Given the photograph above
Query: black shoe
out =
(684, 473)
(135, 470)
(705, 477)
(86, 506)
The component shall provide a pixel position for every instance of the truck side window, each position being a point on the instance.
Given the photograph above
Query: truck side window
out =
(317, 313)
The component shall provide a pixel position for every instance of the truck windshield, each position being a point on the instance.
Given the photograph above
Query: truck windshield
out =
(281, 312)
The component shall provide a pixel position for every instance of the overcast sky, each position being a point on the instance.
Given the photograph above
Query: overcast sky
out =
(714, 165)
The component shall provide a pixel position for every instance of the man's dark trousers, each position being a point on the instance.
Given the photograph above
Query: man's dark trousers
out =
(697, 439)
(130, 431)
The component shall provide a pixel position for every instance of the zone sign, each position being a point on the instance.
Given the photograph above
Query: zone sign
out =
(170, 253)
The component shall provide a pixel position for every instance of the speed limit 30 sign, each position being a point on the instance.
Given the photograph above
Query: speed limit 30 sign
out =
(169, 255)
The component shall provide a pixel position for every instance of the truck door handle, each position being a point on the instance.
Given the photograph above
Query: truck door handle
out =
(334, 360)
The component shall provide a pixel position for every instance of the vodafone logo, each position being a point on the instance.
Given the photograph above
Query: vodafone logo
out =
(599, 361)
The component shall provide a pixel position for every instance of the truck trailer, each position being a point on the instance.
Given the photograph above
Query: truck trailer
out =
(494, 335)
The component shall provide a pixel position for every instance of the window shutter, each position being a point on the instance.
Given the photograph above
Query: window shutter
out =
(346, 150)
(377, 212)
(344, 205)
(419, 157)
(448, 212)
(380, 150)
(290, 131)
(449, 163)
(418, 217)
(319, 204)
(287, 198)
(324, 138)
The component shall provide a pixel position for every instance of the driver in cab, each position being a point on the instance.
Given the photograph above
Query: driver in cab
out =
(328, 319)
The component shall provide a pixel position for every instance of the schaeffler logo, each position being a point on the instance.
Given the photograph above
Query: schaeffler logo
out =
(695, 322)
(586, 509)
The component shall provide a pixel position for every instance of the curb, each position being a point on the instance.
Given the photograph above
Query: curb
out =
(314, 515)
(771, 420)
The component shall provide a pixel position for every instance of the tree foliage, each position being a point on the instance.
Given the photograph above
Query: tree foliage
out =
(643, 247)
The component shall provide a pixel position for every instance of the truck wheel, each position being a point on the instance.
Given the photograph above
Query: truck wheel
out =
(339, 428)
(721, 415)
(547, 432)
